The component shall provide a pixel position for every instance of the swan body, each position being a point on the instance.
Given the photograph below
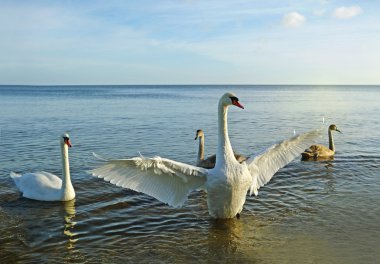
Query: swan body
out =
(44, 186)
(209, 163)
(316, 152)
(226, 184)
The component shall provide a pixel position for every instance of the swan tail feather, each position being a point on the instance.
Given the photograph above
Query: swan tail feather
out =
(16, 178)
(14, 175)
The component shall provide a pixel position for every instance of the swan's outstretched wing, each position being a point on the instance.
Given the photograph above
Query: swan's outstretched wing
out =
(166, 180)
(265, 164)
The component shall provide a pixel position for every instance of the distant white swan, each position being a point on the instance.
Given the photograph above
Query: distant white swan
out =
(317, 152)
(226, 184)
(209, 163)
(45, 186)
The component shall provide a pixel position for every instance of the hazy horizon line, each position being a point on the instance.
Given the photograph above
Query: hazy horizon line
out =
(195, 84)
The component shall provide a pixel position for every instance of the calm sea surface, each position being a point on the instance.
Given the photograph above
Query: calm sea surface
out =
(310, 212)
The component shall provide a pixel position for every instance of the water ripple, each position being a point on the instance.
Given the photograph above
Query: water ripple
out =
(313, 212)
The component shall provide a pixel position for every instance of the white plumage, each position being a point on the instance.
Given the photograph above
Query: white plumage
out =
(166, 180)
(209, 162)
(45, 186)
(226, 184)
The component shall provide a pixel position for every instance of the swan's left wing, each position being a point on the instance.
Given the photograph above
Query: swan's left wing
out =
(164, 179)
(265, 164)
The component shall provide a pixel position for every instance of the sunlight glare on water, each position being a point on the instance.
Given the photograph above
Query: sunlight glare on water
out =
(310, 212)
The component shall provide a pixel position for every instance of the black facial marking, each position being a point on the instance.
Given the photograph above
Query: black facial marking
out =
(234, 99)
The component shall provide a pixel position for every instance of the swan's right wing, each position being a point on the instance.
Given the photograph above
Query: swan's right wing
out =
(166, 180)
(265, 164)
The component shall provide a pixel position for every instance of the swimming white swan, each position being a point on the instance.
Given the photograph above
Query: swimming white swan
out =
(316, 152)
(209, 163)
(45, 186)
(226, 184)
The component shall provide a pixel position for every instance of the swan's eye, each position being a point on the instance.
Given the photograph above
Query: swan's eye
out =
(65, 138)
(234, 99)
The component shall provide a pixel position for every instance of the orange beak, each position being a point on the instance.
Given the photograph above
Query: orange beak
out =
(68, 143)
(236, 103)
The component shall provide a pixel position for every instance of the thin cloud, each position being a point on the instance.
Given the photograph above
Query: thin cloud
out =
(319, 12)
(293, 19)
(347, 12)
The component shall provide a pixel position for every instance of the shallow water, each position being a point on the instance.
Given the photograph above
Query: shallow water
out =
(310, 212)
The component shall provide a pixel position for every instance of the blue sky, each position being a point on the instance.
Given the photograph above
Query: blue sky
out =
(190, 42)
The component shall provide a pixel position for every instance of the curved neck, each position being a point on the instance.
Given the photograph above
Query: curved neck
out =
(224, 151)
(201, 150)
(66, 181)
(331, 141)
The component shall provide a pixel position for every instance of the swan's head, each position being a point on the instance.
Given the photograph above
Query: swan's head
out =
(230, 99)
(199, 134)
(65, 140)
(334, 127)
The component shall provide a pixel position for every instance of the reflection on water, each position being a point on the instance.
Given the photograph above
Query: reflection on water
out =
(316, 159)
(70, 223)
(310, 212)
(329, 177)
(224, 239)
(329, 164)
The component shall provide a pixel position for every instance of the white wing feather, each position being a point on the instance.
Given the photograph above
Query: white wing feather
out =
(265, 164)
(166, 180)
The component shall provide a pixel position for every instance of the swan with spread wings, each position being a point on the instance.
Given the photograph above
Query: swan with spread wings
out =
(227, 184)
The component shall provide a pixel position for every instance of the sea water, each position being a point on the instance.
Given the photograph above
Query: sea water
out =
(310, 212)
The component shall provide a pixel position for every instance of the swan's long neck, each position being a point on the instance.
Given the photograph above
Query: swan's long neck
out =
(224, 151)
(201, 150)
(331, 141)
(67, 186)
